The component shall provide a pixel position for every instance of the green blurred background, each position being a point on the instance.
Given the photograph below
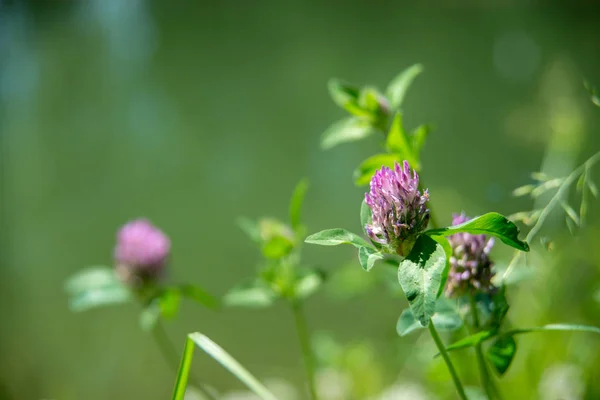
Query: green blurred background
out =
(193, 113)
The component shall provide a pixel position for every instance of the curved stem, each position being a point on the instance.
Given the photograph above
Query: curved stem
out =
(172, 357)
(486, 380)
(440, 345)
(304, 338)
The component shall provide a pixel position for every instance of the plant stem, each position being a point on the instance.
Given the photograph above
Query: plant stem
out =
(304, 338)
(440, 345)
(486, 380)
(170, 354)
(560, 194)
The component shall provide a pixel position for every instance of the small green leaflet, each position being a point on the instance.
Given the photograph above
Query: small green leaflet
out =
(346, 96)
(419, 136)
(346, 130)
(445, 318)
(254, 295)
(366, 170)
(399, 85)
(168, 302)
(277, 247)
(501, 353)
(336, 236)
(365, 215)
(482, 336)
(367, 257)
(492, 224)
(95, 287)
(471, 340)
(296, 203)
(398, 143)
(308, 283)
(442, 241)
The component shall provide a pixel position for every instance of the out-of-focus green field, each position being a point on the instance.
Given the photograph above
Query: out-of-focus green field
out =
(193, 114)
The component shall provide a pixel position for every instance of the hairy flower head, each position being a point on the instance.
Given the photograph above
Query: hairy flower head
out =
(471, 268)
(399, 209)
(141, 251)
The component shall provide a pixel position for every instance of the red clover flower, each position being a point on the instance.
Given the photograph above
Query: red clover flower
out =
(141, 252)
(399, 209)
(471, 268)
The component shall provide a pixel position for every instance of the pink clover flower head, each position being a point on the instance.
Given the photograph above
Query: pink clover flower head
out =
(470, 264)
(399, 208)
(141, 251)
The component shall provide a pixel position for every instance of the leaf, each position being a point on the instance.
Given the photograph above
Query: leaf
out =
(170, 302)
(369, 100)
(346, 130)
(593, 188)
(420, 275)
(407, 323)
(368, 256)
(95, 287)
(482, 336)
(254, 295)
(199, 295)
(98, 297)
(366, 170)
(249, 227)
(308, 284)
(499, 308)
(397, 142)
(400, 84)
(445, 318)
(442, 241)
(523, 190)
(471, 340)
(545, 186)
(492, 224)
(277, 247)
(419, 136)
(570, 213)
(593, 94)
(346, 96)
(333, 237)
(296, 202)
(501, 353)
(365, 215)
(91, 277)
(223, 358)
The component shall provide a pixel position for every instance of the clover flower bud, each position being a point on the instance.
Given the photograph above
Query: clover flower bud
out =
(399, 209)
(141, 252)
(470, 265)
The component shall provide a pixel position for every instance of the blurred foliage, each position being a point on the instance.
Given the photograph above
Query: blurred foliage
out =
(194, 114)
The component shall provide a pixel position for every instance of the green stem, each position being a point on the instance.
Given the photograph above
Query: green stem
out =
(440, 345)
(304, 339)
(560, 194)
(486, 380)
(170, 354)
